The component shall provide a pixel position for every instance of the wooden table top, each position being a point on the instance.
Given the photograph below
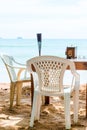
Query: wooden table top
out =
(81, 64)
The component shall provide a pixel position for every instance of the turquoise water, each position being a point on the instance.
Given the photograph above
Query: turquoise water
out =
(23, 49)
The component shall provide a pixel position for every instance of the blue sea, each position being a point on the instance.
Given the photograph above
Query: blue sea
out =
(24, 49)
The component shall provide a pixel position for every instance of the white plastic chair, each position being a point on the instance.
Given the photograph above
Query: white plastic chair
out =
(15, 72)
(49, 82)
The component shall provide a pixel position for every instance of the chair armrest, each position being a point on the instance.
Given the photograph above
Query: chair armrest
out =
(76, 76)
(75, 81)
(17, 67)
(19, 63)
(19, 73)
(35, 79)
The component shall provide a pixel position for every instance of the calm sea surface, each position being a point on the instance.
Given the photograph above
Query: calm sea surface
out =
(23, 49)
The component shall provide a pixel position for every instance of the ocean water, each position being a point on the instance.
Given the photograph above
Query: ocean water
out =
(24, 49)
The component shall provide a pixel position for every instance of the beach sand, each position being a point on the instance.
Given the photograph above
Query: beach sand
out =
(51, 118)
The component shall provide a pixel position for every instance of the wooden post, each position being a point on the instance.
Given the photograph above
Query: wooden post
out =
(39, 39)
(47, 100)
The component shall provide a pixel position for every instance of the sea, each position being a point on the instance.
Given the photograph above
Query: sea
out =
(24, 49)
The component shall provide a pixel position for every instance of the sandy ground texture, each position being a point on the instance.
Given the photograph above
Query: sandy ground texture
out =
(51, 118)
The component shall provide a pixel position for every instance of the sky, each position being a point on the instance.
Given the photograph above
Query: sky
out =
(52, 18)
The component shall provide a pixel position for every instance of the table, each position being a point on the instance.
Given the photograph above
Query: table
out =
(80, 64)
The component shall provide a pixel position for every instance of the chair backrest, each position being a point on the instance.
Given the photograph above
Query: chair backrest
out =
(50, 70)
(8, 62)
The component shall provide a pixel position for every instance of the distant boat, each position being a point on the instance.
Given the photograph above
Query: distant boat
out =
(19, 38)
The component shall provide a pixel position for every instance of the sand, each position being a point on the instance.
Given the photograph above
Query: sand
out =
(51, 118)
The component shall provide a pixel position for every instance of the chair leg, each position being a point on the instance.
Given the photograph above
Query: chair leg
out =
(34, 109)
(76, 104)
(39, 102)
(67, 110)
(12, 91)
(18, 93)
